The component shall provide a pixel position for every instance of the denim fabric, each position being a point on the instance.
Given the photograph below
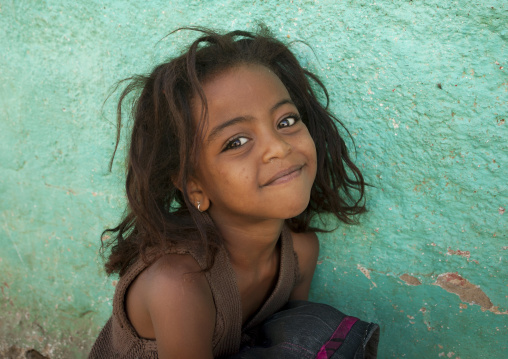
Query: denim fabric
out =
(301, 329)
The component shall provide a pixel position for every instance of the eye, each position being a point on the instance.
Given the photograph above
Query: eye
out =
(289, 121)
(235, 142)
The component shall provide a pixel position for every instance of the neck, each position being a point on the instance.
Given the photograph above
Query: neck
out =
(253, 245)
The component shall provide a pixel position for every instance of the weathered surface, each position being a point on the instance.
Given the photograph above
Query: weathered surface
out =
(422, 86)
(410, 280)
(467, 292)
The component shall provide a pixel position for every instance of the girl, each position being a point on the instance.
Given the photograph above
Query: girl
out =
(231, 156)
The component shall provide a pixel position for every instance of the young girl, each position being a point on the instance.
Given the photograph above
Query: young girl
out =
(231, 156)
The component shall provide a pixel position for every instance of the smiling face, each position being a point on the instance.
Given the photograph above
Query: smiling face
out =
(258, 160)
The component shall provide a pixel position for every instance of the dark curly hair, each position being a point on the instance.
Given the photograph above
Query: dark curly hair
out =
(165, 142)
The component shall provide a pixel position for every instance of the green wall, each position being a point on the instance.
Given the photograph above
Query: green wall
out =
(422, 86)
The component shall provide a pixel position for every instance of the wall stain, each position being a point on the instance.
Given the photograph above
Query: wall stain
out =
(366, 273)
(467, 292)
(410, 280)
(68, 190)
(458, 252)
(14, 352)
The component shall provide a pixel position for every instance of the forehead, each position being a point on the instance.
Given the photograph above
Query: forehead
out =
(241, 89)
(242, 77)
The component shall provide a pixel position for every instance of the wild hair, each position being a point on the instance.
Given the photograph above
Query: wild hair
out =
(165, 140)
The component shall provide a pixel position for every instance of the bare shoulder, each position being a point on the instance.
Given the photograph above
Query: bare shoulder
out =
(306, 247)
(171, 302)
(173, 267)
(167, 274)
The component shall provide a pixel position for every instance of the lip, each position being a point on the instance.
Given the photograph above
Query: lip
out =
(284, 176)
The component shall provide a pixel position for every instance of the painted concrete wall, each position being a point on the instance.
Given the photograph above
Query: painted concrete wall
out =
(422, 86)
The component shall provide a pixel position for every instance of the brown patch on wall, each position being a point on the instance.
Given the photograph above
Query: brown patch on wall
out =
(467, 292)
(410, 280)
(15, 352)
(366, 273)
(458, 252)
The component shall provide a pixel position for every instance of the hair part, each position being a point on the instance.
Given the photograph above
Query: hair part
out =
(165, 142)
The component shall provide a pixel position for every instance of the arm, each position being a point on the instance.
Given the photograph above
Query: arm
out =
(172, 301)
(306, 246)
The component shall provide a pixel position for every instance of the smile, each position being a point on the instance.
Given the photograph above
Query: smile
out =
(284, 176)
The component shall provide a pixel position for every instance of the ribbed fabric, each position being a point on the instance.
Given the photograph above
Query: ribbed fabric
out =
(118, 338)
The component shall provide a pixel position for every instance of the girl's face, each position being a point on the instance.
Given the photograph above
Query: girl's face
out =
(258, 160)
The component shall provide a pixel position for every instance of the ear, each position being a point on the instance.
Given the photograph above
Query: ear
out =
(197, 194)
(176, 182)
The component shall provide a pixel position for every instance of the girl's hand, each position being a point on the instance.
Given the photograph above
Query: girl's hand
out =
(171, 302)
(306, 247)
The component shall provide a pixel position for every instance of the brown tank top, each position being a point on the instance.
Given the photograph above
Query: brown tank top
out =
(118, 338)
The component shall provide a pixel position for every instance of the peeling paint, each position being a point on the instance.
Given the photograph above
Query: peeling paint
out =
(366, 273)
(458, 252)
(410, 280)
(467, 292)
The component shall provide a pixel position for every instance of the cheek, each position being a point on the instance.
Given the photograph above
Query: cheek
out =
(312, 145)
(308, 147)
(232, 177)
(222, 174)
(245, 175)
(228, 172)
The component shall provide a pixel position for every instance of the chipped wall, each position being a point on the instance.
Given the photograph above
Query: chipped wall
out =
(422, 86)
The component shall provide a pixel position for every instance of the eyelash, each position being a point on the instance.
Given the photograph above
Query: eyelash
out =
(294, 116)
(229, 145)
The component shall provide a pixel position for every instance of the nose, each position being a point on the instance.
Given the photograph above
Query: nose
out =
(275, 146)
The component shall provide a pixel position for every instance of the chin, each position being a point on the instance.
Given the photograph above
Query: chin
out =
(296, 209)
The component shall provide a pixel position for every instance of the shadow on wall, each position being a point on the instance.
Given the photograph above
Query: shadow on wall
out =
(15, 352)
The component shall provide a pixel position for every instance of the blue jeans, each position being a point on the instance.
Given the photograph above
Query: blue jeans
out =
(306, 330)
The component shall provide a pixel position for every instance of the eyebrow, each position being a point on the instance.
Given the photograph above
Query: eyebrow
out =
(218, 129)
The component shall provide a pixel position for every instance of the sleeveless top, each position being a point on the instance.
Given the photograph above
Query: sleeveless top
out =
(118, 338)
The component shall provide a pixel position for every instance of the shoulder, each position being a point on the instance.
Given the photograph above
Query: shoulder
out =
(166, 273)
(306, 240)
(172, 267)
(306, 247)
(171, 301)
(173, 277)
